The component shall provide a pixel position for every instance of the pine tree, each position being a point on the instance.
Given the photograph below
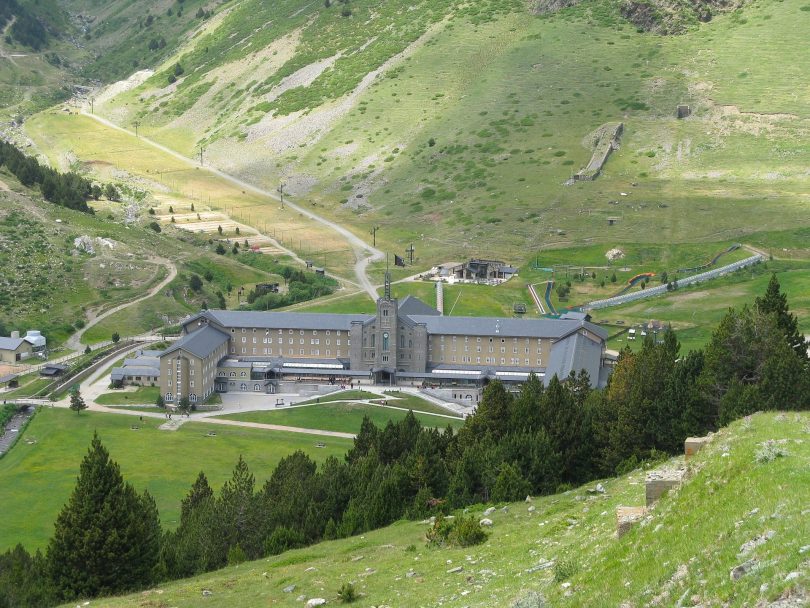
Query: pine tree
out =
(775, 302)
(77, 403)
(106, 538)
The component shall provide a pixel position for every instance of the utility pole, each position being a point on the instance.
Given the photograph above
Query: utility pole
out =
(410, 253)
(137, 124)
(281, 192)
(202, 149)
(374, 234)
(92, 106)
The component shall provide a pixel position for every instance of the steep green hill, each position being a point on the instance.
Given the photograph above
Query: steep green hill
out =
(52, 283)
(469, 118)
(745, 502)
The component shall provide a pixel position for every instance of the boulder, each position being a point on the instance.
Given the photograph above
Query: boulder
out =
(485, 522)
(316, 601)
(489, 511)
(288, 589)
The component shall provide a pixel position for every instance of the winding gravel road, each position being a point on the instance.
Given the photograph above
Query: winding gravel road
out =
(75, 341)
(364, 253)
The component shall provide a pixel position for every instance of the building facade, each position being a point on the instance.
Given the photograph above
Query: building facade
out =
(405, 342)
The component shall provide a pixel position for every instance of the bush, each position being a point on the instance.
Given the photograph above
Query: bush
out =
(347, 593)
(564, 569)
(460, 532)
(236, 555)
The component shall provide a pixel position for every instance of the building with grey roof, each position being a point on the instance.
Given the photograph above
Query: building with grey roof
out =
(405, 342)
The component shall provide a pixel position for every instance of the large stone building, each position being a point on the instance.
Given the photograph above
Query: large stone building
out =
(406, 342)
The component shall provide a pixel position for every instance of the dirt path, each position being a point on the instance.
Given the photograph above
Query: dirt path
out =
(75, 341)
(364, 252)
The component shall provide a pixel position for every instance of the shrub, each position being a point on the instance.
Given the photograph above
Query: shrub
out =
(347, 593)
(564, 569)
(461, 532)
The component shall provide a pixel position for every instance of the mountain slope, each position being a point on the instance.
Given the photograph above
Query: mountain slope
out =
(470, 118)
(681, 554)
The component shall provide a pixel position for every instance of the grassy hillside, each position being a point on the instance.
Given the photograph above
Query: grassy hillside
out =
(49, 284)
(566, 547)
(474, 128)
(46, 459)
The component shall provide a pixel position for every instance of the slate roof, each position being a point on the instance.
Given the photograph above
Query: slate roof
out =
(11, 343)
(200, 343)
(574, 353)
(119, 373)
(283, 320)
(414, 306)
(506, 328)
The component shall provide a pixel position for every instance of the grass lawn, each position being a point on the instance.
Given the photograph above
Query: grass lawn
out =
(417, 404)
(696, 532)
(343, 396)
(164, 462)
(139, 408)
(343, 417)
(143, 394)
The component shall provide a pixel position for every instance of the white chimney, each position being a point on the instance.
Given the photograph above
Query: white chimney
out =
(15, 334)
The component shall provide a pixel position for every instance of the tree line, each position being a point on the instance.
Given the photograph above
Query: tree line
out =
(27, 29)
(69, 190)
(540, 440)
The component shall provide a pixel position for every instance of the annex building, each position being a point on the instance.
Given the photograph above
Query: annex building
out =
(406, 342)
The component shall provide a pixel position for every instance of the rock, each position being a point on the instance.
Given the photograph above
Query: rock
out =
(565, 585)
(804, 549)
(410, 574)
(301, 598)
(600, 488)
(455, 570)
(532, 599)
(543, 565)
(489, 511)
(357, 558)
(755, 542)
(792, 576)
(288, 589)
(316, 601)
(528, 499)
(532, 509)
(505, 510)
(485, 522)
(207, 592)
(737, 572)
(310, 569)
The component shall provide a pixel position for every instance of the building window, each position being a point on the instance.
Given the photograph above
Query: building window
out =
(233, 374)
(385, 341)
(256, 387)
(192, 397)
(169, 397)
(243, 387)
(302, 332)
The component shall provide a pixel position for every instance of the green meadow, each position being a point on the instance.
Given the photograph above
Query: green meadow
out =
(38, 474)
(566, 547)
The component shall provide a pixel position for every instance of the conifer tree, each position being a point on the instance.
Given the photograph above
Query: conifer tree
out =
(775, 302)
(106, 538)
(77, 403)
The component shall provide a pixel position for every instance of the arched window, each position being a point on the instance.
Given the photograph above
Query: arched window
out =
(233, 374)
(256, 387)
(243, 374)
(243, 387)
(192, 397)
(169, 397)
